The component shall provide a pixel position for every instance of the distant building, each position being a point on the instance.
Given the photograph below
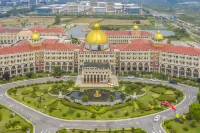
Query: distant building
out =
(44, 10)
(101, 10)
(127, 8)
(70, 7)
(33, 2)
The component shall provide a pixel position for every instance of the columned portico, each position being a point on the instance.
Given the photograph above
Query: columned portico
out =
(96, 73)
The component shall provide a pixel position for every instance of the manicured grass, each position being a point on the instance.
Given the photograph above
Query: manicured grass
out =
(8, 120)
(37, 97)
(155, 95)
(158, 90)
(37, 20)
(24, 77)
(169, 92)
(179, 127)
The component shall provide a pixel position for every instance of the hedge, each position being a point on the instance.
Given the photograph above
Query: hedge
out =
(94, 109)
(166, 98)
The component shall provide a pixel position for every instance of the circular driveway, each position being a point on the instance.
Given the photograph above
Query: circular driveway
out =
(47, 124)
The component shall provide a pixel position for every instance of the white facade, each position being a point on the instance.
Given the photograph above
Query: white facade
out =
(99, 9)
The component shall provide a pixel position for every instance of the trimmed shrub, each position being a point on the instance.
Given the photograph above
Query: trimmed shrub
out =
(188, 116)
(185, 128)
(93, 116)
(193, 123)
(126, 113)
(24, 128)
(110, 116)
(78, 115)
(169, 126)
(181, 121)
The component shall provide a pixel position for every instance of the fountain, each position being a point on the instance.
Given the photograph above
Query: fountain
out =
(97, 94)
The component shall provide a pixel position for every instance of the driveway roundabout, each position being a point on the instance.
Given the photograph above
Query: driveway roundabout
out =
(47, 124)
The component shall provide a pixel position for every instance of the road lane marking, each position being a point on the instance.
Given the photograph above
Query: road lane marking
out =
(155, 129)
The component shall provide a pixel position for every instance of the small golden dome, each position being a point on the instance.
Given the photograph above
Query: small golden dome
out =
(158, 36)
(96, 26)
(135, 27)
(96, 36)
(35, 36)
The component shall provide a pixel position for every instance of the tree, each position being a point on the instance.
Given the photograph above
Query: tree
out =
(198, 97)
(29, 74)
(6, 76)
(57, 71)
(111, 98)
(57, 19)
(84, 98)
(194, 110)
(122, 96)
(193, 123)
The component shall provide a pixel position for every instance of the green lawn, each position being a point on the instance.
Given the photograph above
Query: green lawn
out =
(37, 97)
(13, 122)
(24, 77)
(179, 127)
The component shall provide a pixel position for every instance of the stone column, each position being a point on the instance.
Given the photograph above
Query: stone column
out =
(178, 72)
(93, 79)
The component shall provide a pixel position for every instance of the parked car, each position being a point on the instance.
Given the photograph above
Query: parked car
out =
(156, 118)
(172, 81)
(57, 77)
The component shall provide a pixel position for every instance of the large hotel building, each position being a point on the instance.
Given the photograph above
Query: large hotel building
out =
(115, 51)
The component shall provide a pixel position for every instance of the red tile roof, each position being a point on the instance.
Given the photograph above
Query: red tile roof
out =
(25, 46)
(10, 30)
(125, 32)
(142, 44)
(37, 27)
(115, 33)
(1, 27)
(136, 45)
(58, 46)
(49, 30)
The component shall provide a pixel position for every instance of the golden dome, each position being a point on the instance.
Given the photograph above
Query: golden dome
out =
(158, 36)
(96, 26)
(135, 27)
(96, 36)
(35, 36)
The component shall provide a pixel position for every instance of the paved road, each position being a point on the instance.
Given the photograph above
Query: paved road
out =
(47, 124)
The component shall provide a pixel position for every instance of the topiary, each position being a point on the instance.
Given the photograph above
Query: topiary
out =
(193, 123)
(181, 121)
(110, 116)
(24, 128)
(78, 115)
(185, 128)
(169, 126)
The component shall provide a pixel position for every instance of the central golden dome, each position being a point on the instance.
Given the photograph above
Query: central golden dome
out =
(135, 27)
(35, 36)
(96, 36)
(158, 36)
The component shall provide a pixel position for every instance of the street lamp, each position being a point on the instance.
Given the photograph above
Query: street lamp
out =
(137, 124)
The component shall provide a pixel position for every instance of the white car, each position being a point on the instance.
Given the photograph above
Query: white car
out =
(154, 80)
(131, 77)
(156, 118)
